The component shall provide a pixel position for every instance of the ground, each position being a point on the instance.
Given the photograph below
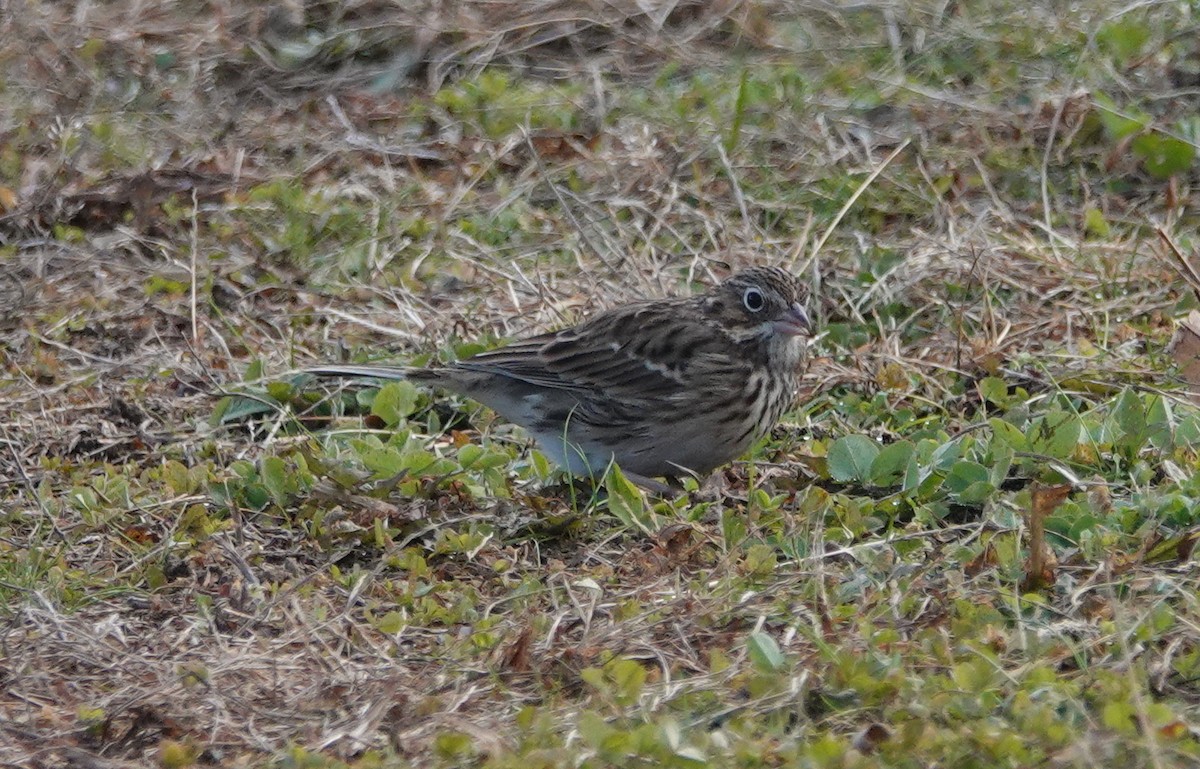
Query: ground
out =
(970, 543)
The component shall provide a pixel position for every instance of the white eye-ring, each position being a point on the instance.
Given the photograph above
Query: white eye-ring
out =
(754, 300)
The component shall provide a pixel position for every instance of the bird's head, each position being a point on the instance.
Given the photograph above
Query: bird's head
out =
(763, 302)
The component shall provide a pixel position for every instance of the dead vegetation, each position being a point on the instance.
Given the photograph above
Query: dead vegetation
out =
(191, 190)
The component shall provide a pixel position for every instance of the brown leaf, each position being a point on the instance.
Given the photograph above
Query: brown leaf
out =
(675, 543)
(1185, 349)
(995, 639)
(1180, 262)
(1186, 544)
(1041, 564)
(867, 740)
(1176, 730)
(1157, 549)
(555, 145)
(892, 376)
(516, 654)
(105, 203)
(1096, 607)
(986, 559)
(1046, 499)
(1099, 495)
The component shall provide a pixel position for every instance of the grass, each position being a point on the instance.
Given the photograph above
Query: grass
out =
(970, 543)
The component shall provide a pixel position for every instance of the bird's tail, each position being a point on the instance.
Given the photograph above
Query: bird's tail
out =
(364, 372)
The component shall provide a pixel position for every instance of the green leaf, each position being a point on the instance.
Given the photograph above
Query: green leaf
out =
(1119, 122)
(476, 457)
(1130, 413)
(923, 479)
(1005, 433)
(469, 454)
(912, 475)
(760, 560)
(974, 675)
(384, 461)
(1142, 422)
(540, 464)
(395, 402)
(1002, 459)
(1187, 431)
(237, 408)
(965, 473)
(625, 500)
(890, 465)
(390, 623)
(428, 463)
(454, 745)
(1120, 716)
(739, 114)
(764, 653)
(629, 678)
(1123, 39)
(1163, 156)
(595, 678)
(994, 390)
(275, 477)
(256, 496)
(969, 482)
(1094, 223)
(592, 727)
(733, 527)
(254, 371)
(944, 456)
(1160, 423)
(280, 391)
(177, 478)
(1056, 434)
(850, 458)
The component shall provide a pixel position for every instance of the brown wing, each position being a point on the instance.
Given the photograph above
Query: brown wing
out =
(635, 355)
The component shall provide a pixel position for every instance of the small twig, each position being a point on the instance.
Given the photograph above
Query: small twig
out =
(850, 202)
(388, 330)
(958, 336)
(1045, 170)
(1181, 263)
(11, 444)
(737, 188)
(195, 246)
(76, 351)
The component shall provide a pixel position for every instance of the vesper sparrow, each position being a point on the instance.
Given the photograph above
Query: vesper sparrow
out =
(664, 387)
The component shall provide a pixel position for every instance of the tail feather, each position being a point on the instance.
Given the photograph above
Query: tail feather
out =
(367, 372)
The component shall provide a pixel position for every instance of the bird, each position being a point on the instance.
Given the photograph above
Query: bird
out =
(664, 388)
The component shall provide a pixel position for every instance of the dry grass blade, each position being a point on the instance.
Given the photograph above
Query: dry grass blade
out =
(202, 561)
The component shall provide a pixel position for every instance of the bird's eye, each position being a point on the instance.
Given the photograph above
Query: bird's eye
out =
(754, 300)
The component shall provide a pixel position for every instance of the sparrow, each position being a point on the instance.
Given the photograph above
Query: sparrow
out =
(662, 387)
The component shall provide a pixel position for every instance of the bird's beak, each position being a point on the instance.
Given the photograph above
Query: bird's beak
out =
(794, 322)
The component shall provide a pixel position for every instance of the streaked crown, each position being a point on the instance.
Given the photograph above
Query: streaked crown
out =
(755, 297)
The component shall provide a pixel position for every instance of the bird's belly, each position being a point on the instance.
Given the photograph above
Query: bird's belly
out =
(576, 456)
(641, 444)
(686, 448)
(570, 443)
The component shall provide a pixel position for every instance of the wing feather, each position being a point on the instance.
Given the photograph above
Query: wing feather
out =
(612, 377)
